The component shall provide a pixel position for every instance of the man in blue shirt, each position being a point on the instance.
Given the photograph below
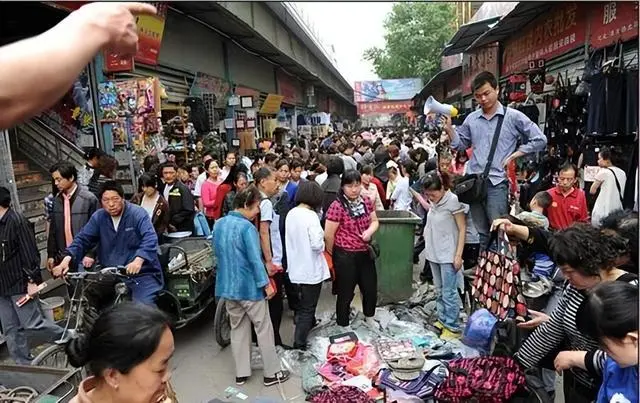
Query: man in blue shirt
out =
(477, 131)
(124, 236)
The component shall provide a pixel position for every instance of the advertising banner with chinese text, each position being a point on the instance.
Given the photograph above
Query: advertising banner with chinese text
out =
(369, 108)
(150, 31)
(552, 34)
(613, 21)
(387, 90)
(477, 61)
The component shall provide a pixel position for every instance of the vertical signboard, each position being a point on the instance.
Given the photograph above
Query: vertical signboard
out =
(150, 31)
(477, 61)
(613, 21)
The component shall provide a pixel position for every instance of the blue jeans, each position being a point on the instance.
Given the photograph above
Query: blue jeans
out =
(495, 206)
(446, 280)
(17, 320)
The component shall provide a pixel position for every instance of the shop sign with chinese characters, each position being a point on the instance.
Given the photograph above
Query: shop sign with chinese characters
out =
(613, 21)
(550, 35)
(483, 59)
(367, 108)
(150, 31)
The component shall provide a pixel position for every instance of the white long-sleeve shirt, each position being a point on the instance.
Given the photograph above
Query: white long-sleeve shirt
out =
(304, 240)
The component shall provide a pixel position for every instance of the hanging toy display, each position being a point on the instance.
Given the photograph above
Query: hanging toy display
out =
(130, 107)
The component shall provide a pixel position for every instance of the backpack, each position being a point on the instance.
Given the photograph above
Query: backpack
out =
(481, 380)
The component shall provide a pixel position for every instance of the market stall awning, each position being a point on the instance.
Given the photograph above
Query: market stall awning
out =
(518, 18)
(439, 78)
(467, 34)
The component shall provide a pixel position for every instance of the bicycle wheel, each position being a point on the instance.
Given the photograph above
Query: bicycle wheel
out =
(53, 356)
(221, 325)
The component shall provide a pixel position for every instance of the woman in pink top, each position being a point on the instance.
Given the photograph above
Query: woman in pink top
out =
(209, 189)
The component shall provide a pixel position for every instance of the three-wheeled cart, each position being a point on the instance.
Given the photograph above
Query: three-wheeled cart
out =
(189, 275)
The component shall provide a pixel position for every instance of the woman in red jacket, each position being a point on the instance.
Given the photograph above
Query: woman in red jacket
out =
(224, 188)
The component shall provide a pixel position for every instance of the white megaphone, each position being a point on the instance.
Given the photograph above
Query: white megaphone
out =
(436, 107)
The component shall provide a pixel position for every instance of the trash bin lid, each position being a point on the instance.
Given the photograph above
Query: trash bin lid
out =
(398, 217)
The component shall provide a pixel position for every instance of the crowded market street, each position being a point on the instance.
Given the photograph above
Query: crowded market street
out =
(226, 202)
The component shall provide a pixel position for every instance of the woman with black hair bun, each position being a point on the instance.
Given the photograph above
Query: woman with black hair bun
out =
(127, 352)
(625, 224)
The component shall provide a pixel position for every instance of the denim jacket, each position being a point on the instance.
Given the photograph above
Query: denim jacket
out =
(240, 274)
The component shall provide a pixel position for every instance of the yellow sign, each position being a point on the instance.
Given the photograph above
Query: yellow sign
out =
(271, 105)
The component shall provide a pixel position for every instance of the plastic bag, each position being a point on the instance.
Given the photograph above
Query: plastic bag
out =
(480, 330)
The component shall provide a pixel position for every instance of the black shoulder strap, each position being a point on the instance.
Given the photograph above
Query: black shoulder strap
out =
(615, 177)
(494, 143)
(628, 278)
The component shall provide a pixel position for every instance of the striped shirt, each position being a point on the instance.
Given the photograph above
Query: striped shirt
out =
(19, 256)
(563, 326)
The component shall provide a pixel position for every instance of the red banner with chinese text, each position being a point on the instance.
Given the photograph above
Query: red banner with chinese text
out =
(114, 63)
(613, 21)
(368, 108)
(477, 61)
(550, 35)
(150, 31)
(289, 88)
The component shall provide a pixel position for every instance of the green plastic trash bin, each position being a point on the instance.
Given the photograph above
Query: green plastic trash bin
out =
(396, 237)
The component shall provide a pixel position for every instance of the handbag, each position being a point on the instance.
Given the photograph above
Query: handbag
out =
(472, 188)
(497, 286)
(374, 249)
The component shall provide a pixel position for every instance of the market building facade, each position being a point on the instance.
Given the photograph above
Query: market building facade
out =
(559, 63)
(242, 69)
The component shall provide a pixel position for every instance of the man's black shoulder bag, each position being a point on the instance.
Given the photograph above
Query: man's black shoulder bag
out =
(472, 188)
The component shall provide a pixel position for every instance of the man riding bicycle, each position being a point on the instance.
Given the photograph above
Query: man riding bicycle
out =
(124, 236)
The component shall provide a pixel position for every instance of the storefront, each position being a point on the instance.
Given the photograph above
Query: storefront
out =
(547, 50)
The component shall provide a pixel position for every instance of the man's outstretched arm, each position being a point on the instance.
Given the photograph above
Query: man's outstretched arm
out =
(36, 72)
